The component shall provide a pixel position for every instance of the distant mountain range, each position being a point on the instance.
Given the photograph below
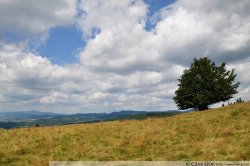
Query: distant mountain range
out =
(36, 118)
(10, 116)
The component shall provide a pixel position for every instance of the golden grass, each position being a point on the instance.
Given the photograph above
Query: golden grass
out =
(219, 134)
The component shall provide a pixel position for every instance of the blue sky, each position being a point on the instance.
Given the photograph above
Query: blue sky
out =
(107, 55)
(155, 5)
(62, 45)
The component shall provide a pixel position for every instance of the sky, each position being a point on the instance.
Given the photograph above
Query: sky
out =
(71, 56)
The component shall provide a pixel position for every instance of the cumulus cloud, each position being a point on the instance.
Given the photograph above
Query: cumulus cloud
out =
(123, 65)
(241, 68)
(118, 45)
(182, 31)
(29, 78)
(33, 18)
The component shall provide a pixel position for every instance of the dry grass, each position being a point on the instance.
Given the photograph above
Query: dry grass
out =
(220, 134)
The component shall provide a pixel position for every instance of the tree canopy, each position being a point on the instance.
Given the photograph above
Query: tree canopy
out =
(204, 84)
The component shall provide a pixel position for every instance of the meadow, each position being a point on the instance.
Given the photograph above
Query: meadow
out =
(216, 134)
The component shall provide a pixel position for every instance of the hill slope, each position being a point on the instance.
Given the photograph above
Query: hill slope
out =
(219, 134)
(10, 120)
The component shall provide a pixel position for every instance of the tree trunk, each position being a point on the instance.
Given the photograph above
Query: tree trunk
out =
(203, 108)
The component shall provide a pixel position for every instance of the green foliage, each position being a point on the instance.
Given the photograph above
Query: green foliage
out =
(238, 100)
(205, 84)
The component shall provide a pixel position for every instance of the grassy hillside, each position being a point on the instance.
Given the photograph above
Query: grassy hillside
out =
(219, 134)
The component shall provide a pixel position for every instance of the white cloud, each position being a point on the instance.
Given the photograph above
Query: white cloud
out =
(123, 66)
(234, 42)
(241, 68)
(31, 18)
(118, 46)
(29, 79)
(185, 30)
(111, 14)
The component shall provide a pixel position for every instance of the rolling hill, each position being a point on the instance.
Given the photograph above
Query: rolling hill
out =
(216, 134)
(10, 120)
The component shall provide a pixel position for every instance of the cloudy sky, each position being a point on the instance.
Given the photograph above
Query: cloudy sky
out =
(108, 55)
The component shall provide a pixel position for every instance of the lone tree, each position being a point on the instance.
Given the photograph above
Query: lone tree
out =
(205, 84)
